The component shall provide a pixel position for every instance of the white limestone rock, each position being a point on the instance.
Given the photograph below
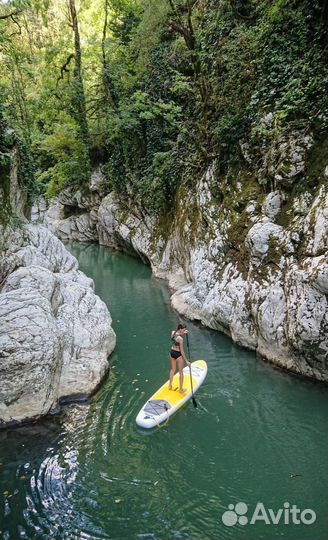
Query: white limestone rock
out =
(251, 210)
(318, 273)
(76, 198)
(72, 215)
(38, 278)
(38, 210)
(98, 181)
(89, 338)
(272, 205)
(55, 333)
(284, 159)
(80, 229)
(302, 204)
(263, 310)
(316, 224)
(30, 352)
(60, 260)
(292, 157)
(127, 230)
(261, 235)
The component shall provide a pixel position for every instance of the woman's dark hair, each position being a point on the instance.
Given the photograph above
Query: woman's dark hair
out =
(180, 326)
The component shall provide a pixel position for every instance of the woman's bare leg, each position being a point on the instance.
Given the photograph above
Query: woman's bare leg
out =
(180, 366)
(172, 372)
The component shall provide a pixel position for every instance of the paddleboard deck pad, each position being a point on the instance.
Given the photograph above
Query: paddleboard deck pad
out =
(165, 402)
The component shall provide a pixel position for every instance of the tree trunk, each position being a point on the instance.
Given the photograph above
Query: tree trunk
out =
(78, 95)
(109, 91)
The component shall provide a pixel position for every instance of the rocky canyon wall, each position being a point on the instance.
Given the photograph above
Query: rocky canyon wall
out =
(240, 257)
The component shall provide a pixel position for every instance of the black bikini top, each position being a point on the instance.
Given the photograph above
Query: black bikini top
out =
(174, 340)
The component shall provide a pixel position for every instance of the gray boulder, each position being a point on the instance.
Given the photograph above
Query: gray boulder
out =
(55, 333)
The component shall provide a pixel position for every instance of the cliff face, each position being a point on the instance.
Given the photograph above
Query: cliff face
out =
(55, 333)
(241, 260)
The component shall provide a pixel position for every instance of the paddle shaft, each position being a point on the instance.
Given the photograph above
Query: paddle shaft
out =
(192, 390)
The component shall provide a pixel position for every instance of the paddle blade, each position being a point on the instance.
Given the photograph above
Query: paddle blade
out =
(194, 402)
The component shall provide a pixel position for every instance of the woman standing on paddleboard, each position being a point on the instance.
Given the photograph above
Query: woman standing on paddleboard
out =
(177, 355)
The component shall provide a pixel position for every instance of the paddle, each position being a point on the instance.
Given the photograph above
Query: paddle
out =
(192, 390)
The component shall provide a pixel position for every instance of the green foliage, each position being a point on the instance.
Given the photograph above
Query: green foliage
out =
(142, 135)
(26, 171)
(5, 145)
(64, 149)
(252, 57)
(123, 24)
(148, 34)
(292, 68)
(159, 109)
(230, 128)
(6, 141)
(44, 98)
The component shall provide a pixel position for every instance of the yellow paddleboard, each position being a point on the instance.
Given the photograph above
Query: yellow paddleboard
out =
(166, 402)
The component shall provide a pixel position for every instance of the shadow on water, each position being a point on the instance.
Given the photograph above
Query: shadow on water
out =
(91, 473)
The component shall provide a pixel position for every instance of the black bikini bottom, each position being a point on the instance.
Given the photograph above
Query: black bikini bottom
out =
(175, 354)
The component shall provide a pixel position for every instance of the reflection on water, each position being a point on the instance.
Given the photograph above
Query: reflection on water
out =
(92, 474)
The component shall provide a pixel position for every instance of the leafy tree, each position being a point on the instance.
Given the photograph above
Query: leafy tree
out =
(157, 89)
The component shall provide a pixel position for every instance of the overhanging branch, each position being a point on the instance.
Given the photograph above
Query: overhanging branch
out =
(10, 15)
(64, 69)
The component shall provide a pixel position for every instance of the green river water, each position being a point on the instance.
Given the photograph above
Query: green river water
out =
(90, 473)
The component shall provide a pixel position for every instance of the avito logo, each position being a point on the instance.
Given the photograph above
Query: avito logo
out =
(288, 515)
